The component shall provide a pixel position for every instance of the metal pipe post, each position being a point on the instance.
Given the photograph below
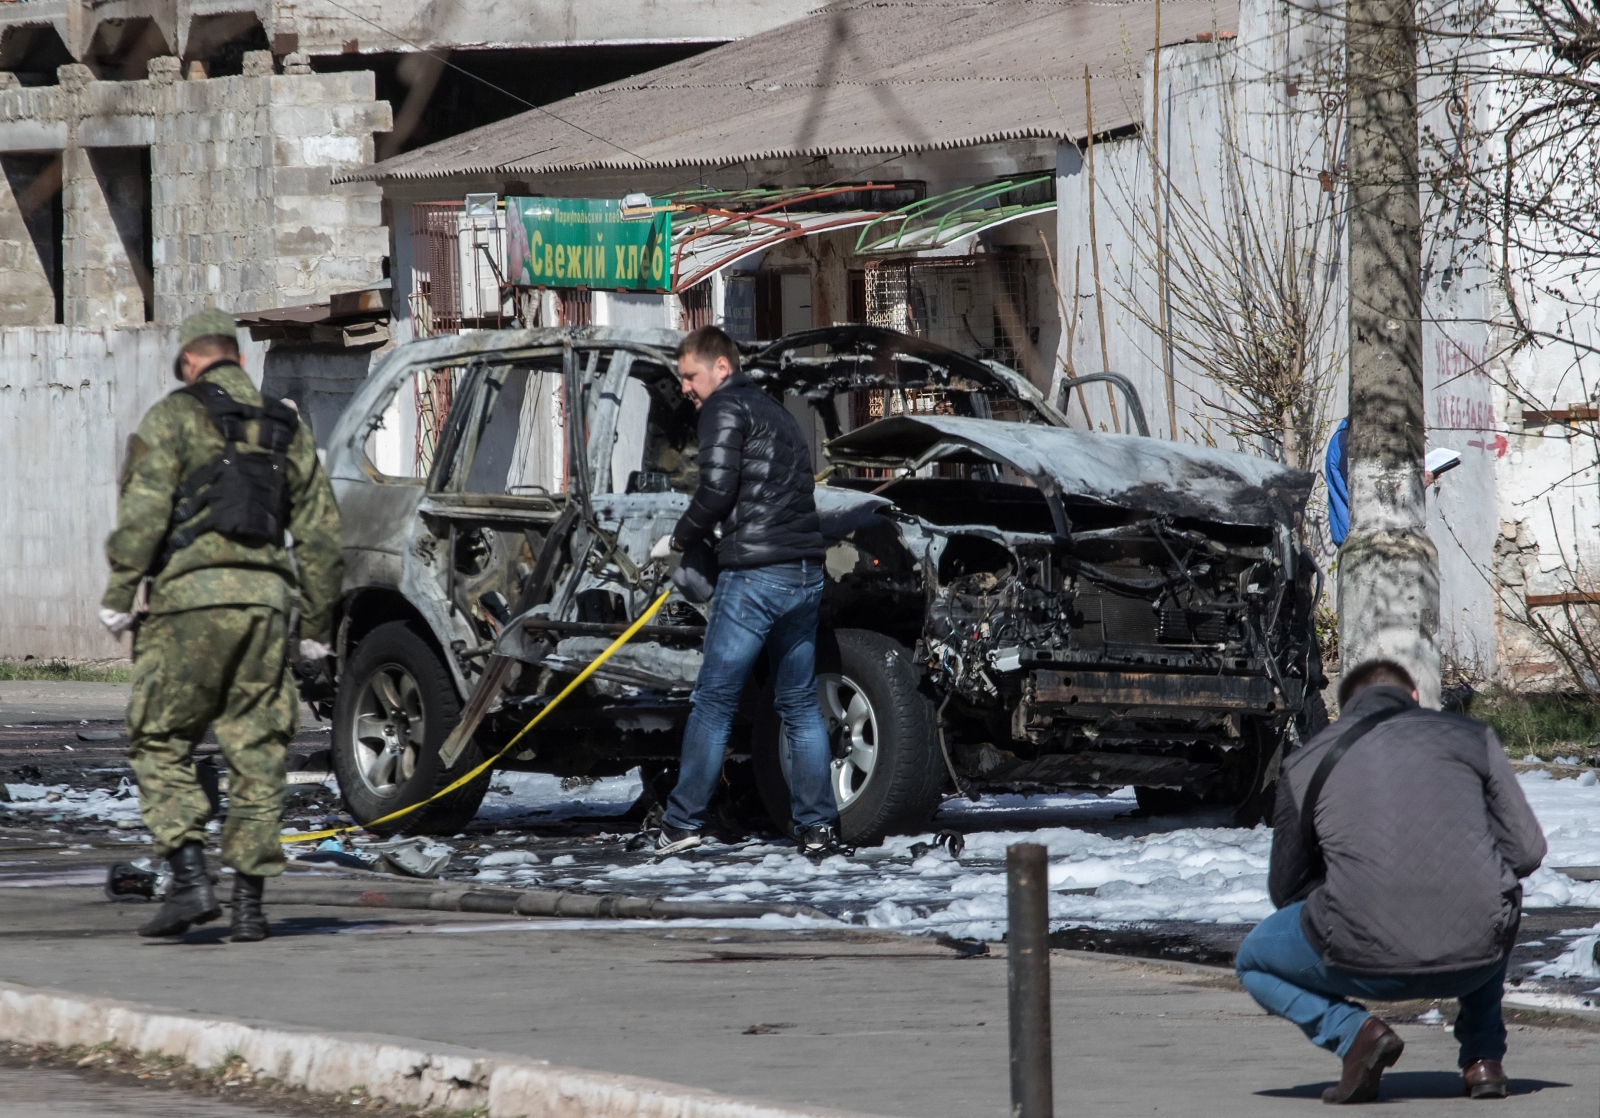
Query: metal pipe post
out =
(1028, 977)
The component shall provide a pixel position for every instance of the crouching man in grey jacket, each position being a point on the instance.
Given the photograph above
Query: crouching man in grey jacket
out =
(1399, 838)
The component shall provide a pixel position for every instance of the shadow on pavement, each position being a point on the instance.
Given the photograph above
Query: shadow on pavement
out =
(1412, 1085)
(217, 933)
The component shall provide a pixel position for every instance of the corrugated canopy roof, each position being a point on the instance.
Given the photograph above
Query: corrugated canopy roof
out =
(871, 76)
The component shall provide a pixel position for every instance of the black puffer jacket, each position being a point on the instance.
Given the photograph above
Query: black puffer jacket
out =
(755, 479)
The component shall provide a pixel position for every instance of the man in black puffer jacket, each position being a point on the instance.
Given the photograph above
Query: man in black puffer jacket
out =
(755, 480)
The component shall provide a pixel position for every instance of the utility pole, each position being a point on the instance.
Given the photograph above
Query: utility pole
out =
(1388, 567)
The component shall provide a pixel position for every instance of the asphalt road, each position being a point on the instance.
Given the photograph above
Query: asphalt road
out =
(858, 1020)
(846, 1018)
(36, 1092)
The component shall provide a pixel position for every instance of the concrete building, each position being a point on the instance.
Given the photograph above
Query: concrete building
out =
(1231, 189)
(927, 163)
(162, 156)
(901, 157)
(1216, 180)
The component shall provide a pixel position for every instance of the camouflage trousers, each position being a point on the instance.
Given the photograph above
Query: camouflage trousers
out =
(223, 667)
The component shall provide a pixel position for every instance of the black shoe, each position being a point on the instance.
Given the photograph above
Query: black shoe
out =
(249, 922)
(821, 842)
(190, 899)
(672, 840)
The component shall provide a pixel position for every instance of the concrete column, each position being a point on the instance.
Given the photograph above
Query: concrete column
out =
(1388, 567)
(99, 284)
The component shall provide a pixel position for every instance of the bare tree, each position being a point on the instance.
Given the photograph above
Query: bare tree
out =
(1253, 299)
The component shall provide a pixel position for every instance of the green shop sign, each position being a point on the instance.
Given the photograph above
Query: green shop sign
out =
(587, 242)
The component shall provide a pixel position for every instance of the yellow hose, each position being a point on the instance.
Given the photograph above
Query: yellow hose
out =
(628, 635)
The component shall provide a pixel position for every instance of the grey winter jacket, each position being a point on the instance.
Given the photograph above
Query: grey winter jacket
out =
(1424, 834)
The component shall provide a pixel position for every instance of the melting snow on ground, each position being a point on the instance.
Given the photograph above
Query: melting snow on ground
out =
(1102, 868)
(1202, 874)
(542, 798)
(119, 808)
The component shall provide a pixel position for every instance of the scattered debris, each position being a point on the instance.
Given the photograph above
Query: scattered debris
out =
(414, 857)
(139, 879)
(763, 1029)
(964, 948)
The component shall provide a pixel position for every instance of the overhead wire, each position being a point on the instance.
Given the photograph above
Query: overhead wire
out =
(444, 59)
(697, 179)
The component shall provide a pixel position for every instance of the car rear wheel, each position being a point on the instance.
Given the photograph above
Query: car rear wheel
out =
(396, 705)
(886, 772)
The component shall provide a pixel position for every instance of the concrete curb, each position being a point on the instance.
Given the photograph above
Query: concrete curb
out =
(392, 1068)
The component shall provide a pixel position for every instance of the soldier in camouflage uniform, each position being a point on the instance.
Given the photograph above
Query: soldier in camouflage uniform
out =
(211, 646)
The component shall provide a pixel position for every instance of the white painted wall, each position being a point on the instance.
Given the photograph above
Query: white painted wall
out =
(69, 399)
(1286, 130)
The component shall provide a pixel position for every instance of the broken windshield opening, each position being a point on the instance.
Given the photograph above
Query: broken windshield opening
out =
(856, 375)
(840, 379)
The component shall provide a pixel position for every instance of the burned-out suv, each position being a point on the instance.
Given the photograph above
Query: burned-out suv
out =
(1010, 603)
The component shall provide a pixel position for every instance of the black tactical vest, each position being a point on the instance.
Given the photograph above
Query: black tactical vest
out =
(243, 494)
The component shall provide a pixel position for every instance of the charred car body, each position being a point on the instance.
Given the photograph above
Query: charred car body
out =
(1010, 603)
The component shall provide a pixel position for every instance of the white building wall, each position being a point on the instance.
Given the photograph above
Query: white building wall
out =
(1279, 86)
(69, 398)
(243, 216)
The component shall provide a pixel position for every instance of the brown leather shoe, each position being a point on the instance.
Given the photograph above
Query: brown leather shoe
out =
(1376, 1047)
(1486, 1079)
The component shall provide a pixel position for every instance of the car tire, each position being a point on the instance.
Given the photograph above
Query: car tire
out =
(1166, 801)
(396, 705)
(1311, 719)
(901, 791)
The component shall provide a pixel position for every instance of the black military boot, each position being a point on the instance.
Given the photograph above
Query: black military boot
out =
(190, 899)
(249, 922)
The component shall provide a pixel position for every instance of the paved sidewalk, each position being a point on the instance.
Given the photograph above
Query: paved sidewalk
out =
(46, 701)
(27, 1092)
(50, 701)
(857, 1021)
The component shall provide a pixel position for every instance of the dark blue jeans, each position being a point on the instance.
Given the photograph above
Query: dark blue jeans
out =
(773, 607)
(1285, 974)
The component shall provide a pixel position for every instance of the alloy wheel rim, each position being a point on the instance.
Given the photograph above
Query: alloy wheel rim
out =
(388, 729)
(852, 724)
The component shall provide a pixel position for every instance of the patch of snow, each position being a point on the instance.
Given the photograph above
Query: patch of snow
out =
(540, 798)
(1577, 961)
(62, 799)
(508, 858)
(1104, 867)
(1569, 812)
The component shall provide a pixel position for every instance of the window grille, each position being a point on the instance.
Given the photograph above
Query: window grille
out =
(977, 305)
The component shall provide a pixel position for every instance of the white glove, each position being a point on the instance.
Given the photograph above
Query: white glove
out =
(314, 650)
(663, 547)
(118, 623)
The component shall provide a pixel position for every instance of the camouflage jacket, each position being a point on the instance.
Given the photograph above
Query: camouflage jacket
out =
(176, 438)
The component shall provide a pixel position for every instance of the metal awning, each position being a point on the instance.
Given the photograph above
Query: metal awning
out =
(713, 230)
(346, 318)
(710, 247)
(936, 222)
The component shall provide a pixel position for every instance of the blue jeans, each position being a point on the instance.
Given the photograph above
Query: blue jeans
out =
(1285, 974)
(773, 607)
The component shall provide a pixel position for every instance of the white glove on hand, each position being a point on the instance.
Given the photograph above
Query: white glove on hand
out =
(118, 623)
(663, 547)
(314, 650)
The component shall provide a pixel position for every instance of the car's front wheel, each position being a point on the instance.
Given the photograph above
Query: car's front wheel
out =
(886, 771)
(396, 705)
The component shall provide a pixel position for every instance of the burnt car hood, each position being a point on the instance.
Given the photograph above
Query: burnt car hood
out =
(1126, 471)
